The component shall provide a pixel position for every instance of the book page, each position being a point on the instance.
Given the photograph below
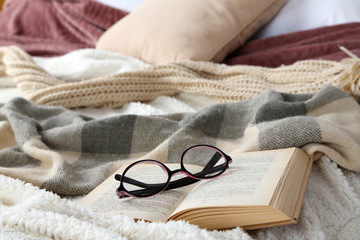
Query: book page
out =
(155, 208)
(251, 179)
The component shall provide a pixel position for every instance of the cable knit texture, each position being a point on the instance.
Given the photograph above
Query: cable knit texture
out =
(221, 82)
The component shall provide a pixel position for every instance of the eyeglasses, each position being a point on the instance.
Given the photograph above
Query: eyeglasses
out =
(148, 177)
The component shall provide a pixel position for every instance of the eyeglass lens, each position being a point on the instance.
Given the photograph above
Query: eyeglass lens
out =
(211, 161)
(150, 173)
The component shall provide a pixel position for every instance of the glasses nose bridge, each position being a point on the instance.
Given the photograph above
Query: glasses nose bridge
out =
(177, 171)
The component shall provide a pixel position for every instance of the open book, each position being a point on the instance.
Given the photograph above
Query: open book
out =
(259, 189)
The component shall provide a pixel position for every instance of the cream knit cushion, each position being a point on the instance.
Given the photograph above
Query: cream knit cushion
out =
(220, 82)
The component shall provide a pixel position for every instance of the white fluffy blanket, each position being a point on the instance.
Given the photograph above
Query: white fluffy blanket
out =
(331, 210)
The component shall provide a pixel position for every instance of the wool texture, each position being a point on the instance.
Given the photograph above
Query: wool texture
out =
(220, 82)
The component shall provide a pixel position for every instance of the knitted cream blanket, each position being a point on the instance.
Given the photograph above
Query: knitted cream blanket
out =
(221, 82)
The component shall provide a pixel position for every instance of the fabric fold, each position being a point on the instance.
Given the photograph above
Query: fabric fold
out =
(70, 154)
(220, 82)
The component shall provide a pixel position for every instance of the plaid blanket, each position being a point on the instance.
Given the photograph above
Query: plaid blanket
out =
(70, 154)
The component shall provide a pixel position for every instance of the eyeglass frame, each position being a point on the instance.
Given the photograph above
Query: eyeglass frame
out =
(122, 192)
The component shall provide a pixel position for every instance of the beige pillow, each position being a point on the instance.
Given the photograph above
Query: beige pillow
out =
(161, 31)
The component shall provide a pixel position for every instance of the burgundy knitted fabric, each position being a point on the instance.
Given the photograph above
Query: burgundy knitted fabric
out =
(55, 27)
(320, 43)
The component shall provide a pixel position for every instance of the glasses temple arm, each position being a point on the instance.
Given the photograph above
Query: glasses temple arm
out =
(133, 181)
(174, 184)
(213, 161)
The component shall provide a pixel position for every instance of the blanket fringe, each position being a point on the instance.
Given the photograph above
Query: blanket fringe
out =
(218, 81)
(349, 81)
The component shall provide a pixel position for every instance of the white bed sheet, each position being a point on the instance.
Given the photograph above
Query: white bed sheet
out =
(127, 5)
(299, 15)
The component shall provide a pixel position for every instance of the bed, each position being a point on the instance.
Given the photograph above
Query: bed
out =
(87, 86)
